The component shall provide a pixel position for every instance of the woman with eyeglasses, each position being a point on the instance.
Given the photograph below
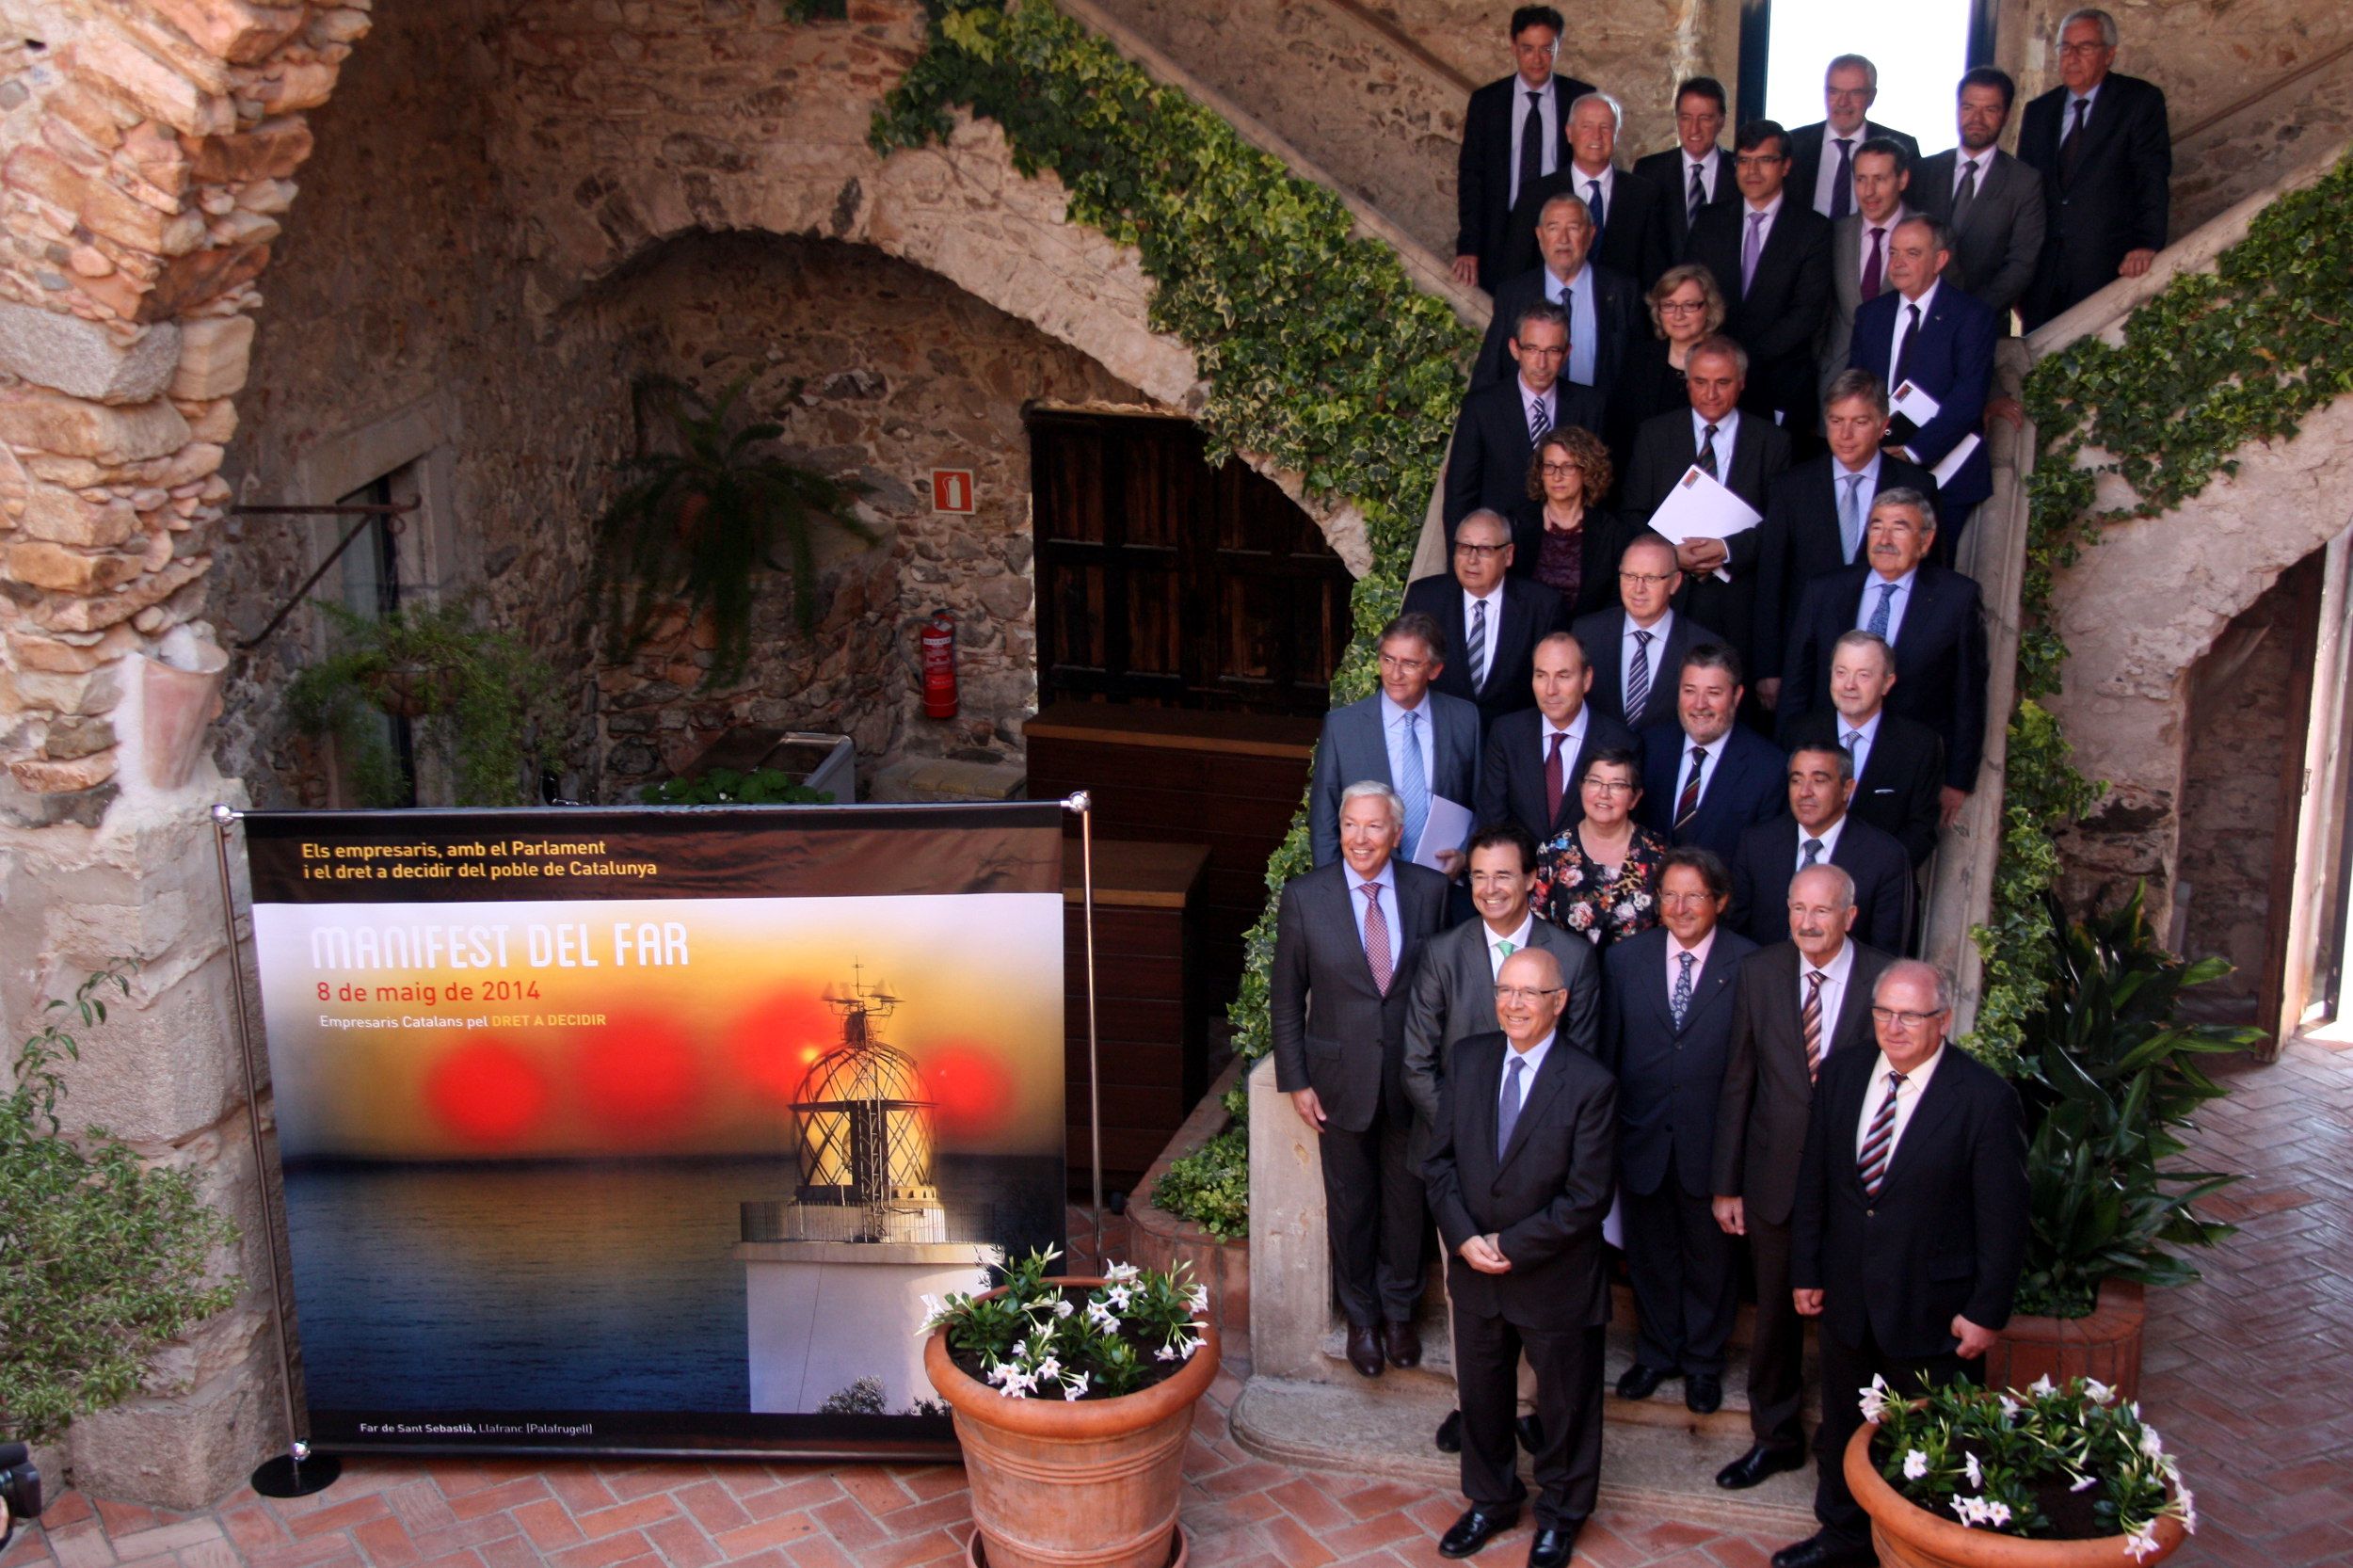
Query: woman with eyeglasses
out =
(1565, 539)
(1684, 305)
(1600, 878)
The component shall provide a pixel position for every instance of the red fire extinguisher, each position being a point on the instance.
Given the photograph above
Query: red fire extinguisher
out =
(939, 666)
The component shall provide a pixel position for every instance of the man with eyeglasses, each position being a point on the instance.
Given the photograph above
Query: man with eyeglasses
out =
(1536, 756)
(1769, 253)
(1801, 1001)
(1908, 1229)
(2100, 141)
(1492, 617)
(1822, 154)
(1636, 650)
(1454, 996)
(1418, 741)
(1497, 432)
(1519, 1177)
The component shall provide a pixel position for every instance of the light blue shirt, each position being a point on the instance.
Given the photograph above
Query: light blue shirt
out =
(1385, 879)
(1534, 1058)
(1393, 737)
(1584, 322)
(1840, 478)
(1869, 603)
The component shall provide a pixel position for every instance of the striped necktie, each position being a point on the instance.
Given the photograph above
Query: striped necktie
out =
(1539, 419)
(1638, 679)
(1878, 1142)
(1811, 1019)
(1475, 646)
(1376, 937)
(1688, 805)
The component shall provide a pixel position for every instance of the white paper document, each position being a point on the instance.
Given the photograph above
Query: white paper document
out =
(1613, 1223)
(1700, 507)
(1448, 827)
(1953, 459)
(1914, 403)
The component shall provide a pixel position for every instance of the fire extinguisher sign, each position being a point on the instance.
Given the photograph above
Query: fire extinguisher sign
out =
(952, 490)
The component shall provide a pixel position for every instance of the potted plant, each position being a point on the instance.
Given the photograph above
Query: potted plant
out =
(1985, 1477)
(1087, 1386)
(697, 523)
(2110, 1080)
(479, 698)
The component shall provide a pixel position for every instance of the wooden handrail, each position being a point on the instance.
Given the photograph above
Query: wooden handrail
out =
(2239, 105)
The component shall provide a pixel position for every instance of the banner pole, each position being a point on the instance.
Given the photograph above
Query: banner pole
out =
(284, 1476)
(1083, 802)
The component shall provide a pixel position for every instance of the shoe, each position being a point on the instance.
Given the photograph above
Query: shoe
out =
(1758, 1466)
(1450, 1438)
(1702, 1393)
(1364, 1350)
(1401, 1343)
(1550, 1549)
(1641, 1381)
(1531, 1433)
(1819, 1551)
(1475, 1528)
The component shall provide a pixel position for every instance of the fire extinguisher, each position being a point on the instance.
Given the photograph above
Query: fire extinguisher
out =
(939, 666)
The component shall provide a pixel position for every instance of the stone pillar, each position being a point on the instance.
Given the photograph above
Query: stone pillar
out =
(1290, 1258)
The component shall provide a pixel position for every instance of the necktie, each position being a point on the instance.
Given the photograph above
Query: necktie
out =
(1592, 202)
(1413, 787)
(1872, 266)
(1966, 193)
(1681, 1001)
(1476, 649)
(1810, 1018)
(1507, 948)
(1871, 1159)
(2071, 144)
(1749, 248)
(1697, 197)
(1688, 804)
(1539, 419)
(1881, 610)
(1854, 739)
(1851, 515)
(1555, 784)
(1842, 184)
(1638, 679)
(1532, 147)
(1707, 453)
(1376, 937)
(1812, 848)
(1507, 1113)
(1903, 344)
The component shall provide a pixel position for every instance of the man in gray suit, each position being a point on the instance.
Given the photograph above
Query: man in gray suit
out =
(1348, 937)
(1990, 201)
(1420, 742)
(1858, 255)
(1454, 994)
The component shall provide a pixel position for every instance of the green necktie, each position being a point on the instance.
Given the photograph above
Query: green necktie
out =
(1505, 948)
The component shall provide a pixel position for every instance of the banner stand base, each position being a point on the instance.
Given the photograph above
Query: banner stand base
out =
(289, 1476)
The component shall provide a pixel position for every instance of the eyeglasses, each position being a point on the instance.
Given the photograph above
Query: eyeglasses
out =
(1479, 551)
(1646, 579)
(1681, 307)
(2079, 50)
(1560, 471)
(1527, 993)
(1761, 160)
(1403, 667)
(1612, 786)
(1889, 1017)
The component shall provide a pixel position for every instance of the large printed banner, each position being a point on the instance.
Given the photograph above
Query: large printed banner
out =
(634, 1131)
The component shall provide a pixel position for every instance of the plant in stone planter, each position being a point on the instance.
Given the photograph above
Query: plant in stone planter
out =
(699, 522)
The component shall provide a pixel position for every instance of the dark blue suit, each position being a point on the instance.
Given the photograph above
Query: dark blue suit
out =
(1941, 662)
(1952, 361)
(1747, 784)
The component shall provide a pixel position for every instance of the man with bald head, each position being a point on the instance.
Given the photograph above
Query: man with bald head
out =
(1535, 756)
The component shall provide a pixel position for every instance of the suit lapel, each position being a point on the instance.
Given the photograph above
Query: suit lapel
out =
(1854, 1009)
(1925, 584)
(1712, 984)
(1937, 1103)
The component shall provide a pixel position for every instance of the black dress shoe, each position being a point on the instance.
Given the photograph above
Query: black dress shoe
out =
(1702, 1393)
(1364, 1350)
(1640, 1382)
(1450, 1438)
(1475, 1528)
(1819, 1551)
(1758, 1466)
(1401, 1342)
(1531, 1433)
(1550, 1549)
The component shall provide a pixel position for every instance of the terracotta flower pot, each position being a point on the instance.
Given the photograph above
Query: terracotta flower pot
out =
(1905, 1535)
(1074, 1483)
(2105, 1345)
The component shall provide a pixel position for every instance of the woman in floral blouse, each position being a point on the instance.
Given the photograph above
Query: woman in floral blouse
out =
(1600, 879)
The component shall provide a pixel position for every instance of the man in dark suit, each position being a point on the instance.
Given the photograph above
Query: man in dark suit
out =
(1495, 619)
(1858, 248)
(1515, 132)
(1629, 217)
(1519, 1179)
(1923, 333)
(1635, 651)
(1931, 618)
(1899, 762)
(1801, 1001)
(1911, 1226)
(1819, 830)
(1454, 996)
(1696, 172)
(1814, 513)
(1667, 1017)
(1743, 451)
(1418, 741)
(1347, 939)
(1536, 757)
(1822, 154)
(1990, 201)
(1602, 304)
(1495, 435)
(1769, 253)
(1706, 779)
(2102, 145)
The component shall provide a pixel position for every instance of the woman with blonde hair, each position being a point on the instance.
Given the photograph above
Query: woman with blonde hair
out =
(1684, 305)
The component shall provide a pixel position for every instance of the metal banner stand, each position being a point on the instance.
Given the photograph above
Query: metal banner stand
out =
(298, 1472)
(1082, 804)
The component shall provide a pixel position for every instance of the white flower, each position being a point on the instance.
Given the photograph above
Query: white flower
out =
(1073, 1388)
(1063, 1308)
(1974, 1471)
(2100, 1393)
(1199, 1300)
(2142, 1541)
(932, 1309)
(2040, 1387)
(1119, 1295)
(1874, 1402)
(1166, 1353)
(1102, 1316)
(2085, 1483)
(2010, 1410)
(1999, 1513)
(1119, 1272)
(1191, 1345)
(1915, 1465)
(1970, 1511)
(2151, 1444)
(1050, 1367)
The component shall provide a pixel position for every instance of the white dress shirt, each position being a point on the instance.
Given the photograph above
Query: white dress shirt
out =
(1868, 731)
(1494, 601)
(1385, 879)
(1708, 769)
(1908, 1094)
(1727, 433)
(1707, 169)
(1534, 1058)
(1834, 977)
(1659, 630)
(1699, 957)
(1896, 608)
(1549, 399)
(2090, 97)
(1517, 941)
(1862, 243)
(1830, 841)
(1572, 739)
(1826, 177)
(1903, 319)
(1548, 104)
(1584, 320)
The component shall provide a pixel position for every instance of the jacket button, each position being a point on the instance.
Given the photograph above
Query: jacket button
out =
(1870, 1213)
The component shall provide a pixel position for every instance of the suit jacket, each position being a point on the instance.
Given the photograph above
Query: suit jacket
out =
(1601, 635)
(1353, 748)
(1941, 665)
(1668, 1079)
(2118, 201)
(1780, 316)
(1488, 466)
(1806, 144)
(1952, 361)
(1896, 790)
(1665, 170)
(1999, 240)
(1531, 610)
(1512, 776)
(1482, 172)
(1455, 997)
(1768, 858)
(1633, 241)
(1333, 1031)
(1664, 448)
(1846, 292)
(1618, 314)
(1605, 538)
(1761, 1118)
(1947, 1232)
(1543, 1197)
(1799, 540)
(1747, 785)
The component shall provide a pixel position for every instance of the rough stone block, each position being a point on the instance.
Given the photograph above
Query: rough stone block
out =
(64, 570)
(42, 778)
(92, 691)
(155, 88)
(30, 651)
(272, 149)
(189, 281)
(62, 517)
(96, 614)
(70, 355)
(115, 214)
(40, 419)
(183, 1450)
(233, 29)
(216, 352)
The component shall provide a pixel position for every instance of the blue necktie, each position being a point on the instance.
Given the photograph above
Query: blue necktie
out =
(1880, 611)
(1681, 1001)
(1851, 515)
(1413, 786)
(1508, 1115)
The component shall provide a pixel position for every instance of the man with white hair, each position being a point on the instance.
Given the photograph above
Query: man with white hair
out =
(1629, 214)
(1822, 154)
(2101, 143)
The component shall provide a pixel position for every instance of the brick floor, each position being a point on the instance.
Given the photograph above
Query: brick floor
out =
(2250, 1375)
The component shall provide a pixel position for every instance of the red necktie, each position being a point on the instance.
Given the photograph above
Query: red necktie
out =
(1689, 803)
(1812, 1020)
(1871, 267)
(1376, 937)
(1553, 780)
